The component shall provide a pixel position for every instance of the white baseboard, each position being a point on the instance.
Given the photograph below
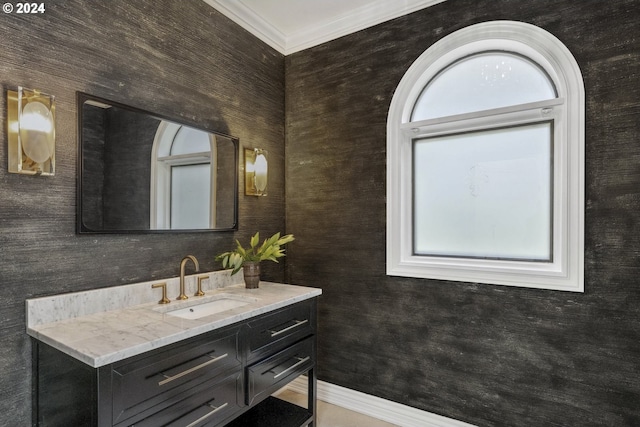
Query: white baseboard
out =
(382, 409)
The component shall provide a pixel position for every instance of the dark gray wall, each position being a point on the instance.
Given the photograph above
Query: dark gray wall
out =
(488, 355)
(181, 59)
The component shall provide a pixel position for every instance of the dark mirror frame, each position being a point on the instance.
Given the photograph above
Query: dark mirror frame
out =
(81, 98)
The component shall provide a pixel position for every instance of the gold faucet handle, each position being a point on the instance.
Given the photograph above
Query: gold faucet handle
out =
(164, 299)
(199, 292)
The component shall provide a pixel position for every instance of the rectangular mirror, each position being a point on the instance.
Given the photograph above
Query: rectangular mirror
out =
(140, 172)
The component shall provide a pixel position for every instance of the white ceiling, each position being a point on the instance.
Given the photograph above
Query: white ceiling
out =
(293, 25)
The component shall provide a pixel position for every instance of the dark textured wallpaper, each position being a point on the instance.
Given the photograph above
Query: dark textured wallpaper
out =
(180, 59)
(487, 355)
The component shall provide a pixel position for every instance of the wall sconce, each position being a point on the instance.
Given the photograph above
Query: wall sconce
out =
(31, 132)
(255, 172)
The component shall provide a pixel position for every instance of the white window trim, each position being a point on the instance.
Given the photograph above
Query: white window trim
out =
(566, 272)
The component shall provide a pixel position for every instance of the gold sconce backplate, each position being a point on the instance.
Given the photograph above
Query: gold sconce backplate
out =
(31, 132)
(255, 172)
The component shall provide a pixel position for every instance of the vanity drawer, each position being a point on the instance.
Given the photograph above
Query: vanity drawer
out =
(205, 405)
(269, 375)
(277, 330)
(165, 375)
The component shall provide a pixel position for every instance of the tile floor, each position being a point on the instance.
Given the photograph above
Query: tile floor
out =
(332, 415)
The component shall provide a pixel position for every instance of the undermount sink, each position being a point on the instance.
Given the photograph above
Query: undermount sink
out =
(219, 304)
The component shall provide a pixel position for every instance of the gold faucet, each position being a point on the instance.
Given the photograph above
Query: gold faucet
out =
(182, 264)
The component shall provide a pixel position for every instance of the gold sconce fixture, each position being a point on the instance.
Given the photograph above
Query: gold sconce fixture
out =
(255, 172)
(31, 132)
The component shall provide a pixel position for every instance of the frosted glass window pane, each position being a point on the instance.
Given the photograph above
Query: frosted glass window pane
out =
(484, 194)
(190, 196)
(190, 140)
(481, 82)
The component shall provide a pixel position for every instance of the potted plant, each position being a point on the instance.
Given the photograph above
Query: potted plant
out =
(249, 259)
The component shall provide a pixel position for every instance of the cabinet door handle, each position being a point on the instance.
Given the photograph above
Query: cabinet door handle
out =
(207, 415)
(282, 331)
(292, 367)
(190, 370)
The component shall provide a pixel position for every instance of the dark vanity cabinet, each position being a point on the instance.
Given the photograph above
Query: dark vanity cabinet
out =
(223, 377)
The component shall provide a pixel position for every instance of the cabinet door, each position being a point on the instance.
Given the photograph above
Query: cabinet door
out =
(275, 331)
(142, 385)
(267, 376)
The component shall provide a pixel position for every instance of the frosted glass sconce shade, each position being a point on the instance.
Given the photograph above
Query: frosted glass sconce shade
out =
(255, 172)
(31, 131)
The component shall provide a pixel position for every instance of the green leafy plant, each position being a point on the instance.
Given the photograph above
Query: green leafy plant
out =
(270, 250)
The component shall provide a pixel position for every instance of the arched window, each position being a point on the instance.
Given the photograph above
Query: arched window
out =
(485, 161)
(181, 180)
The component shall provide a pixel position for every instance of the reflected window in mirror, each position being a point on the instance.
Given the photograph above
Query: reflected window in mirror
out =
(182, 182)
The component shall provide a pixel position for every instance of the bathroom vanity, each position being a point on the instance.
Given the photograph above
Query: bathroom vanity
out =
(175, 364)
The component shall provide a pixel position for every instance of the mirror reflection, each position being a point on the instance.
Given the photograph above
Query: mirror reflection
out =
(143, 173)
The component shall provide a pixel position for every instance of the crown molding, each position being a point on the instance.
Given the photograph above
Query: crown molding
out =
(250, 21)
(374, 13)
(358, 19)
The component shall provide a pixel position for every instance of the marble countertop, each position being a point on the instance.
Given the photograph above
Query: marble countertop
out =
(99, 337)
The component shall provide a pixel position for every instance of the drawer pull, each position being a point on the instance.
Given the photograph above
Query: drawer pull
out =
(207, 415)
(282, 331)
(190, 370)
(292, 367)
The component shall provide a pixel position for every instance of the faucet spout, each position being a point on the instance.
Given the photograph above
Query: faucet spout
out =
(183, 263)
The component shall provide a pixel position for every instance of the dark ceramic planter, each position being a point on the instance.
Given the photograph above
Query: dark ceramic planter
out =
(251, 272)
